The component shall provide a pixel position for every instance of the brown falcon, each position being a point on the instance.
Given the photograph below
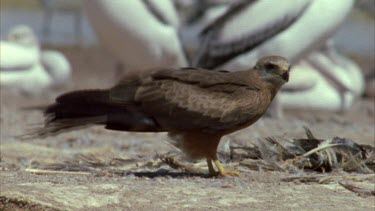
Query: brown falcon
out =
(195, 106)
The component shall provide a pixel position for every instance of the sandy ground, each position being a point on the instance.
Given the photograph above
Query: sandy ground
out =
(158, 187)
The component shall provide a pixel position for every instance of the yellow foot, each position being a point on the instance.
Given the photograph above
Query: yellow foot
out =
(221, 171)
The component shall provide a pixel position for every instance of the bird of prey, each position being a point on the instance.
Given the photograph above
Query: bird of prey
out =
(23, 66)
(195, 106)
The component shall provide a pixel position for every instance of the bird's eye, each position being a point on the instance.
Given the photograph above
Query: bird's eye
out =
(270, 66)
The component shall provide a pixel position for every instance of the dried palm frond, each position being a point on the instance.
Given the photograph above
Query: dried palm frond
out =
(368, 190)
(317, 154)
(270, 151)
(325, 155)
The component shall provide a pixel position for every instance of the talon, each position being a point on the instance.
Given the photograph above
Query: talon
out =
(230, 173)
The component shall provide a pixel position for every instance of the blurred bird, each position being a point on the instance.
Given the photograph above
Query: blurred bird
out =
(324, 80)
(231, 35)
(195, 106)
(24, 67)
(312, 23)
(57, 66)
(139, 34)
(227, 36)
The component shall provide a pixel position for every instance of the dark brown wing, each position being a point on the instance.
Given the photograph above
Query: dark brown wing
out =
(192, 99)
(165, 100)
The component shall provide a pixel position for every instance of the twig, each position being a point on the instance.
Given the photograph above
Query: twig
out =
(358, 190)
(41, 171)
(302, 178)
(327, 179)
(318, 149)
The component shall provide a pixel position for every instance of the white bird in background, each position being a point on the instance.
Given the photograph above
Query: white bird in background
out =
(25, 68)
(139, 34)
(315, 22)
(312, 88)
(57, 66)
(144, 34)
(243, 29)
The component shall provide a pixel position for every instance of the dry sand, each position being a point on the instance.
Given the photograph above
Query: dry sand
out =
(160, 188)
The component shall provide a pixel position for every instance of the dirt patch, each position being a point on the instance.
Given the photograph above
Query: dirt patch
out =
(157, 185)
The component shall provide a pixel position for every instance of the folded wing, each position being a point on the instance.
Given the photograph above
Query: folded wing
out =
(202, 99)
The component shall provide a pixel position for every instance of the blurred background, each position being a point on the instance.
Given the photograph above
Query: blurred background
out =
(355, 36)
(64, 24)
(57, 23)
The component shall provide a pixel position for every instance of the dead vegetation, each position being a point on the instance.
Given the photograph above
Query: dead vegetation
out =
(314, 160)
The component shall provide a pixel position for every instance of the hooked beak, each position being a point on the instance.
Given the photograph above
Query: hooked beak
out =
(285, 75)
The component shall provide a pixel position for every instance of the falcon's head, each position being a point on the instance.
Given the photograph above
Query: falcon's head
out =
(274, 69)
